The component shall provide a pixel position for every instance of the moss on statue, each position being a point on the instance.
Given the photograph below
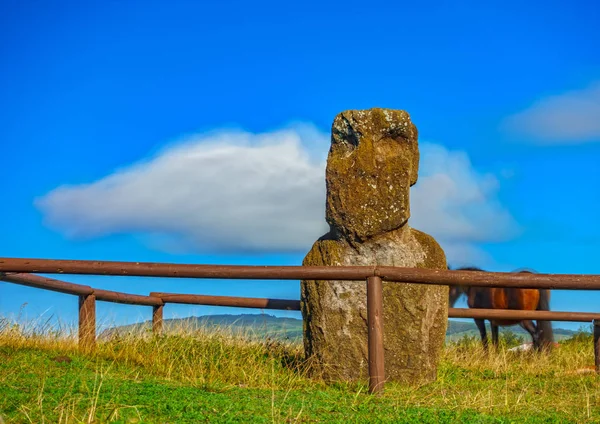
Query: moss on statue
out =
(373, 161)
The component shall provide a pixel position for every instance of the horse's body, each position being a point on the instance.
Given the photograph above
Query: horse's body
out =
(508, 298)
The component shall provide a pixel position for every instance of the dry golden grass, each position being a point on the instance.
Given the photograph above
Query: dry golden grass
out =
(502, 385)
(513, 383)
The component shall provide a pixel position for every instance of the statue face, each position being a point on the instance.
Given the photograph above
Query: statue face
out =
(372, 163)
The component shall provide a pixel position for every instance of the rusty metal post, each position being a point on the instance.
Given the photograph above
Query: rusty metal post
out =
(596, 324)
(375, 322)
(87, 322)
(157, 319)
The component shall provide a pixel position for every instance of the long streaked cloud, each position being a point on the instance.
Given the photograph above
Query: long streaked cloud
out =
(234, 191)
(569, 118)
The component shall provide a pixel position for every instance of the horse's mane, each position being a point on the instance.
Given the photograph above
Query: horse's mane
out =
(465, 268)
(474, 268)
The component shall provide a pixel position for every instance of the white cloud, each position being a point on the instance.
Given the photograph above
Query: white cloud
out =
(231, 190)
(569, 118)
(236, 191)
(458, 206)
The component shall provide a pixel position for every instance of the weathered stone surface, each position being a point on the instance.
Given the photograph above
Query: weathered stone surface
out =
(372, 163)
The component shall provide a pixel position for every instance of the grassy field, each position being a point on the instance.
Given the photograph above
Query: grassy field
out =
(208, 376)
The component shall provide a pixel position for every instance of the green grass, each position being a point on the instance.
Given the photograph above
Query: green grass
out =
(207, 376)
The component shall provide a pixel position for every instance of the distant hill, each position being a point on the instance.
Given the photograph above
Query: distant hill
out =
(264, 325)
(459, 329)
(252, 325)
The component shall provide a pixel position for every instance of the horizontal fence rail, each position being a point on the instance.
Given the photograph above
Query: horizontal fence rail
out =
(519, 315)
(150, 269)
(159, 298)
(129, 299)
(51, 284)
(39, 282)
(16, 270)
(356, 273)
(239, 302)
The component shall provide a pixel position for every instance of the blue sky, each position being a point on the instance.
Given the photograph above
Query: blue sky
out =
(197, 133)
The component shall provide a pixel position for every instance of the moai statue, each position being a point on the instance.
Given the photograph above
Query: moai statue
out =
(372, 163)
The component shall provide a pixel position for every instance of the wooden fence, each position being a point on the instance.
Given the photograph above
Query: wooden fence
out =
(17, 270)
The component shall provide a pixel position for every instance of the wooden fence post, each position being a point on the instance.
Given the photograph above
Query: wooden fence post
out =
(157, 319)
(87, 322)
(375, 323)
(157, 316)
(596, 325)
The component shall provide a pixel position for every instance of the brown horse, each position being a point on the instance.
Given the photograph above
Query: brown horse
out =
(507, 298)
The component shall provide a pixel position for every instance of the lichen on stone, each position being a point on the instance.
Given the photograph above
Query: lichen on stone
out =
(373, 161)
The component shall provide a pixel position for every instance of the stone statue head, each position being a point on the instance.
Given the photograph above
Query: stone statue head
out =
(373, 162)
